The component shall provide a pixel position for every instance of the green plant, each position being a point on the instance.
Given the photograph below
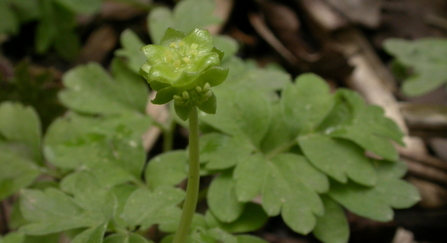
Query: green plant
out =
(56, 22)
(275, 146)
(420, 63)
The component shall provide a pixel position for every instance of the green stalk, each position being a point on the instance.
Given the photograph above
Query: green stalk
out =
(192, 190)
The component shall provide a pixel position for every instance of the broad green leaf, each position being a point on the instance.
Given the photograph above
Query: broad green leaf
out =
(73, 126)
(289, 194)
(167, 169)
(190, 14)
(369, 128)
(302, 170)
(243, 75)
(131, 49)
(159, 19)
(338, 158)
(122, 193)
(204, 235)
(186, 16)
(361, 200)
(91, 235)
(215, 149)
(249, 175)
(221, 236)
(21, 125)
(377, 202)
(93, 151)
(427, 60)
(126, 238)
(14, 237)
(144, 206)
(279, 134)
(249, 239)
(242, 113)
(16, 172)
(92, 197)
(252, 218)
(52, 211)
(222, 199)
(333, 226)
(82, 6)
(306, 103)
(106, 147)
(91, 90)
(226, 44)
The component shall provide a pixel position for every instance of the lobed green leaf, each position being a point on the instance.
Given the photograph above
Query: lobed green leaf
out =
(91, 90)
(427, 60)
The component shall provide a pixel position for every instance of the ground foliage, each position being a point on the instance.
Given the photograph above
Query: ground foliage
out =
(290, 148)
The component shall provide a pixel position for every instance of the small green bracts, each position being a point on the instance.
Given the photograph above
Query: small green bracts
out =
(184, 68)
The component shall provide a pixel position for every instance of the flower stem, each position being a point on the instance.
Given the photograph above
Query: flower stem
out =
(192, 190)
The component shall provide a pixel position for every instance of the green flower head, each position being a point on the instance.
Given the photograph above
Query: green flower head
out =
(184, 68)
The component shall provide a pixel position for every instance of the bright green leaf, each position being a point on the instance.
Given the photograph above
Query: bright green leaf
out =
(92, 197)
(190, 14)
(369, 128)
(249, 175)
(278, 134)
(14, 237)
(241, 112)
(252, 218)
(306, 103)
(249, 239)
(427, 60)
(167, 169)
(338, 158)
(159, 19)
(333, 226)
(131, 51)
(145, 207)
(73, 126)
(51, 211)
(221, 236)
(91, 235)
(222, 199)
(16, 172)
(376, 202)
(216, 147)
(21, 125)
(228, 45)
(126, 238)
(244, 76)
(122, 193)
(91, 90)
(287, 193)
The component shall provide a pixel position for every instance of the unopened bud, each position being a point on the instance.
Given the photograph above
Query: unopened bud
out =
(208, 94)
(206, 87)
(185, 95)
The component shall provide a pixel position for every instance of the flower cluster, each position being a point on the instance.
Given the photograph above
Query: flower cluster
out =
(184, 68)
